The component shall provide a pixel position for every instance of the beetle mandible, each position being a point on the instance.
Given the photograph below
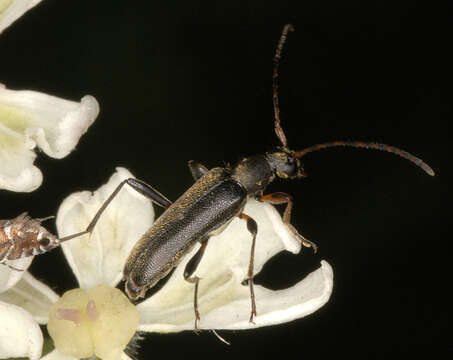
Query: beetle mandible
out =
(214, 200)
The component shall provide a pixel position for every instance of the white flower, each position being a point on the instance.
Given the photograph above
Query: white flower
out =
(29, 119)
(223, 302)
(20, 335)
(11, 10)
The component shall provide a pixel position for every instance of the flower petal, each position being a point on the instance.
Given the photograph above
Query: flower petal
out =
(99, 258)
(55, 124)
(10, 10)
(20, 335)
(17, 172)
(29, 119)
(223, 302)
(9, 276)
(56, 355)
(125, 357)
(33, 296)
(274, 307)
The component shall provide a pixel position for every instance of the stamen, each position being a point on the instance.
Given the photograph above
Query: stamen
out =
(74, 315)
(92, 313)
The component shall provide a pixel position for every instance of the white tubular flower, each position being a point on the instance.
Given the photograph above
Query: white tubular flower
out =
(224, 303)
(20, 335)
(11, 10)
(29, 119)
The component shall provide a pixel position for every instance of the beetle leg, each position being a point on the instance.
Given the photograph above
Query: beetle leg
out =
(197, 170)
(190, 268)
(252, 227)
(278, 198)
(139, 186)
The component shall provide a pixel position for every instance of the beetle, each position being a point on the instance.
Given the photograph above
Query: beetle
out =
(24, 236)
(214, 200)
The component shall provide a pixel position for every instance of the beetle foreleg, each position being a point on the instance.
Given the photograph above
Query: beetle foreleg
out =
(190, 268)
(279, 198)
(252, 227)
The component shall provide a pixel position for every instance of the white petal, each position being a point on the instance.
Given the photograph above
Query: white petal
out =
(55, 124)
(29, 119)
(56, 355)
(125, 357)
(33, 296)
(9, 276)
(99, 258)
(20, 335)
(274, 307)
(17, 172)
(10, 10)
(223, 302)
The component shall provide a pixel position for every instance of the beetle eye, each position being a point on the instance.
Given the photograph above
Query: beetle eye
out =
(44, 242)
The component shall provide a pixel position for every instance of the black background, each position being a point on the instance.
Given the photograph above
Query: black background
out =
(192, 80)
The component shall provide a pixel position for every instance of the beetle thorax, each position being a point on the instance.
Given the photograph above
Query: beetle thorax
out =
(254, 173)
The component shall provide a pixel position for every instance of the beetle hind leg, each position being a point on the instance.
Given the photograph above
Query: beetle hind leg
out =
(252, 227)
(190, 268)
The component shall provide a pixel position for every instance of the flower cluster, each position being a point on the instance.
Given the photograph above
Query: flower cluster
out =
(30, 119)
(97, 318)
(98, 259)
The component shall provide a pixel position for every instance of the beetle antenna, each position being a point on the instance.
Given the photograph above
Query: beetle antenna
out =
(278, 53)
(368, 145)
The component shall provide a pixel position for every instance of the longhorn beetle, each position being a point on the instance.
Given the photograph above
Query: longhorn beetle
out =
(24, 236)
(218, 196)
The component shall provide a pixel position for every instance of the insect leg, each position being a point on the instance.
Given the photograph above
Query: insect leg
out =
(252, 227)
(3, 260)
(190, 268)
(45, 218)
(11, 267)
(278, 198)
(139, 186)
(197, 170)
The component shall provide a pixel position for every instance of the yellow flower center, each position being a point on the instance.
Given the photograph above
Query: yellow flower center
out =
(14, 117)
(100, 321)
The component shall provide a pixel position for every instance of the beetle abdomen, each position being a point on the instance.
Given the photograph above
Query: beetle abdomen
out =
(210, 203)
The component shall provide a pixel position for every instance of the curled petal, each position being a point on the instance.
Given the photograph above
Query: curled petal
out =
(33, 296)
(10, 10)
(29, 119)
(17, 172)
(20, 335)
(12, 271)
(223, 302)
(99, 258)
